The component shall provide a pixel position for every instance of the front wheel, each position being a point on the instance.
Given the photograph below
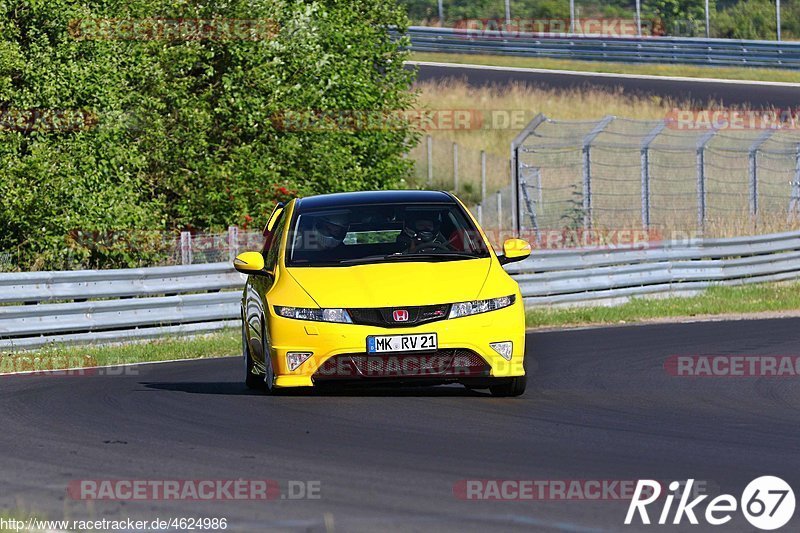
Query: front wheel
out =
(251, 379)
(509, 387)
(268, 380)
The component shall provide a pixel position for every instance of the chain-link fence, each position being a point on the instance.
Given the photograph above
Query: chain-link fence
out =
(480, 179)
(655, 175)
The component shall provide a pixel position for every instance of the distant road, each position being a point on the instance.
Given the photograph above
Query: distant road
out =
(700, 91)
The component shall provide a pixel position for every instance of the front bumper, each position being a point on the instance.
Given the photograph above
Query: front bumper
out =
(339, 350)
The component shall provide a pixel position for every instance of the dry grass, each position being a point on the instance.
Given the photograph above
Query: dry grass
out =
(565, 105)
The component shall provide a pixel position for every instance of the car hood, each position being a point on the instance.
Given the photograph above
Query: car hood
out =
(394, 284)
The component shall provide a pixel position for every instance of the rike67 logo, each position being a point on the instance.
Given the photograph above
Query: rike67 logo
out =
(767, 503)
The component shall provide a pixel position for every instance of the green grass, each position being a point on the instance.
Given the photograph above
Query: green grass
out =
(655, 69)
(715, 301)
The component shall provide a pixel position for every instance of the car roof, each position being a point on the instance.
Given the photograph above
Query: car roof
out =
(339, 199)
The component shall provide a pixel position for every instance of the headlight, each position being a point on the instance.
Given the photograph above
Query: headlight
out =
(318, 315)
(480, 306)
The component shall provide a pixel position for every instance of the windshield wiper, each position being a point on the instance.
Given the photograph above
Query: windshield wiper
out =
(444, 256)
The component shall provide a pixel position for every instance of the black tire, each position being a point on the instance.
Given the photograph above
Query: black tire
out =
(509, 387)
(253, 381)
(268, 380)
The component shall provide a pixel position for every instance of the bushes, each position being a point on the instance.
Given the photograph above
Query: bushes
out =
(184, 134)
(754, 19)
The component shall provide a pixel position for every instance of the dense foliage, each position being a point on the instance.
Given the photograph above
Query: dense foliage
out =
(167, 133)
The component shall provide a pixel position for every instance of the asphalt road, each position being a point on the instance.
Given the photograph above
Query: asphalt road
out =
(600, 406)
(699, 92)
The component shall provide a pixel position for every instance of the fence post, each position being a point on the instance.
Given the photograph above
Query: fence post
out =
(186, 248)
(429, 142)
(540, 193)
(794, 202)
(455, 168)
(233, 242)
(752, 156)
(701, 179)
(645, 162)
(483, 176)
(587, 188)
(523, 187)
(499, 212)
(587, 169)
(514, 164)
(646, 188)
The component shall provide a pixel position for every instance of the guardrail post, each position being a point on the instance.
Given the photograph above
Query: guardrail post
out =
(752, 156)
(455, 168)
(701, 178)
(794, 202)
(645, 164)
(429, 143)
(233, 242)
(186, 248)
(587, 170)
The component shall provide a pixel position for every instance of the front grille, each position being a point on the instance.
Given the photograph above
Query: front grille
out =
(449, 363)
(384, 316)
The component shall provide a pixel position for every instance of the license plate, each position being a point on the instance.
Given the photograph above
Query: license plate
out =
(401, 343)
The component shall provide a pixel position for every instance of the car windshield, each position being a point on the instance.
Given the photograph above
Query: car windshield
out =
(358, 234)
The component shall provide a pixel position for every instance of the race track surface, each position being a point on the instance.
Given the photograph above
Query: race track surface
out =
(698, 92)
(600, 406)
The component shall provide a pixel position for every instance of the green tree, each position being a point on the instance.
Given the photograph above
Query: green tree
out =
(754, 19)
(685, 18)
(184, 135)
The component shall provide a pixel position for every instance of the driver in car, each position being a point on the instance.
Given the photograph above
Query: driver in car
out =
(421, 232)
(321, 233)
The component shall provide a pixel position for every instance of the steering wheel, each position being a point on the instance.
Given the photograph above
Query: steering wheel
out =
(431, 247)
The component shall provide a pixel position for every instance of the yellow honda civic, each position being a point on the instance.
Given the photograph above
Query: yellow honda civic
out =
(381, 287)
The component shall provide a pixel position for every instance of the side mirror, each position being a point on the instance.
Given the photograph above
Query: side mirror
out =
(250, 263)
(514, 250)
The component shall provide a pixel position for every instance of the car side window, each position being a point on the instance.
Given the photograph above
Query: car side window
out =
(273, 243)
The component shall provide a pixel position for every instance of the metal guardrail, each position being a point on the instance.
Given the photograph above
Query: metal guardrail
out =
(591, 275)
(680, 50)
(143, 303)
(114, 305)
